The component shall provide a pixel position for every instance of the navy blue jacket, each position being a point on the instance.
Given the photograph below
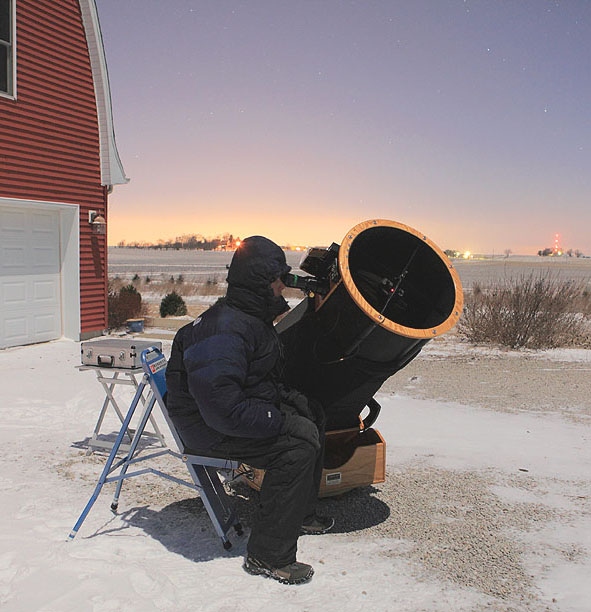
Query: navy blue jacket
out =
(223, 373)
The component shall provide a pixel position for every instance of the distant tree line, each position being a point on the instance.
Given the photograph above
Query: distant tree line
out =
(547, 252)
(195, 242)
(542, 253)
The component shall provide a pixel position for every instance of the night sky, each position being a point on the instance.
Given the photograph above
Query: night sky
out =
(297, 119)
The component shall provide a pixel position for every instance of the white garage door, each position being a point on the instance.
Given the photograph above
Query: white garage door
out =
(30, 296)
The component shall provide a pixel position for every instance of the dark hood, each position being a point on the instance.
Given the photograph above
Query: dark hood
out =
(255, 265)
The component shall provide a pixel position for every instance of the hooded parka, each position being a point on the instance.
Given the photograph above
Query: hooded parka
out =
(225, 399)
(226, 363)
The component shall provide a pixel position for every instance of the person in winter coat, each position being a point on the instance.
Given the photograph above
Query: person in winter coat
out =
(226, 399)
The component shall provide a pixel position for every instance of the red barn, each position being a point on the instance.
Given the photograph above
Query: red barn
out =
(58, 163)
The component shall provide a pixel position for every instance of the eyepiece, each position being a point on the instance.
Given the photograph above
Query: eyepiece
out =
(308, 284)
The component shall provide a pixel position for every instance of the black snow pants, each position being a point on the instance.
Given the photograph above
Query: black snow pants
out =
(293, 469)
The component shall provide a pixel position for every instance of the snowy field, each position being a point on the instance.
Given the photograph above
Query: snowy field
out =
(487, 504)
(198, 266)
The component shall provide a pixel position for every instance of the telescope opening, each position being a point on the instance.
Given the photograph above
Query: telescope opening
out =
(402, 277)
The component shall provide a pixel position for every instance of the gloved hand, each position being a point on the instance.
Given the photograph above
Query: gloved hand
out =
(298, 401)
(319, 414)
(302, 428)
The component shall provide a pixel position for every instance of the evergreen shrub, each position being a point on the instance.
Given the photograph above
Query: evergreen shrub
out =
(172, 305)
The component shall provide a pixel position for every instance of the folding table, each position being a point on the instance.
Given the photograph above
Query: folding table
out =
(108, 383)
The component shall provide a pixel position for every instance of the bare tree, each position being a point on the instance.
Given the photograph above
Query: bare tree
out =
(507, 253)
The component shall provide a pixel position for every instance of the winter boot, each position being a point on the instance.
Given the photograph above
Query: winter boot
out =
(315, 525)
(294, 573)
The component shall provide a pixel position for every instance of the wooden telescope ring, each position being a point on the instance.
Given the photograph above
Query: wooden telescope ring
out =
(372, 313)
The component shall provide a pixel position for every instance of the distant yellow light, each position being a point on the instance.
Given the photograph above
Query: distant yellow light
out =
(467, 255)
(238, 243)
(298, 248)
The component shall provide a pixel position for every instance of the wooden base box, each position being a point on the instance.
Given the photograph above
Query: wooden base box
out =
(353, 458)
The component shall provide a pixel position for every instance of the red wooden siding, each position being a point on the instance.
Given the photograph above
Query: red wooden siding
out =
(49, 143)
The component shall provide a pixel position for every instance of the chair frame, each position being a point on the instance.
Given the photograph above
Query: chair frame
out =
(203, 470)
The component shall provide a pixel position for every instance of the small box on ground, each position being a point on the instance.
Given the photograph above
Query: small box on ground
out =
(135, 325)
(115, 352)
(353, 458)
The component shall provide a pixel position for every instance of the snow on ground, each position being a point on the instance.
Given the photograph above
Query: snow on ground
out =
(482, 510)
(202, 300)
(453, 345)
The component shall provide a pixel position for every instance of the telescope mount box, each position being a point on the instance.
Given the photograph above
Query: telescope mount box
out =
(355, 458)
(115, 352)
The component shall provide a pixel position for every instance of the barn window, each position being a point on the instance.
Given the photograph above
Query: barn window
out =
(7, 31)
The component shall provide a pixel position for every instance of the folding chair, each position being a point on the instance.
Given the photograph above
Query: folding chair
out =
(203, 470)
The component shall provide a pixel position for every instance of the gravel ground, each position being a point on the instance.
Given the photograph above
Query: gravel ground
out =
(471, 528)
(451, 525)
(451, 370)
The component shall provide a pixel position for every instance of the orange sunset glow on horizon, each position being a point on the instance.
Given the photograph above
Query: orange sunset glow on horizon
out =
(298, 229)
(298, 120)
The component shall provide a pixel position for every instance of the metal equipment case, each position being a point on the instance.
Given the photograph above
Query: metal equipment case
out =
(115, 352)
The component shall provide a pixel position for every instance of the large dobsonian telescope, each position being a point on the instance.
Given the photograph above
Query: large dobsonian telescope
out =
(372, 303)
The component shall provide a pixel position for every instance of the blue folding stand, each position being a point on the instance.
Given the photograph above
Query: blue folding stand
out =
(203, 470)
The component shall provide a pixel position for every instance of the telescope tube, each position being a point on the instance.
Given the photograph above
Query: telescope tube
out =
(391, 291)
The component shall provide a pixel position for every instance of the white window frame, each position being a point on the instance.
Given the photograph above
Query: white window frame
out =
(11, 94)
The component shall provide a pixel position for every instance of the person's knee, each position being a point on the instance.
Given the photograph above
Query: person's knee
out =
(302, 453)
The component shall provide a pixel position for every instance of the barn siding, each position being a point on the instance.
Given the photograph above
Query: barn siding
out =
(49, 142)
